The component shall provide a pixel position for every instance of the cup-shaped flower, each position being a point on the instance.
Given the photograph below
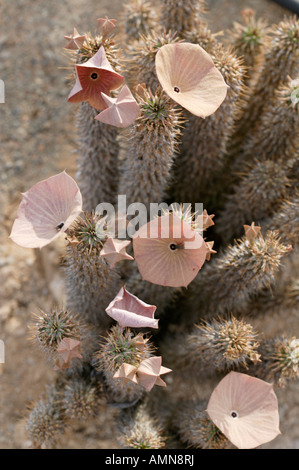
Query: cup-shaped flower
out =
(245, 409)
(168, 251)
(188, 75)
(122, 111)
(46, 211)
(94, 76)
(129, 310)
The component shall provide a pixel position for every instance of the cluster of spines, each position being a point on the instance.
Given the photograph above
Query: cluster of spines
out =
(195, 428)
(141, 58)
(220, 344)
(90, 283)
(138, 428)
(151, 145)
(139, 18)
(242, 270)
(280, 360)
(118, 347)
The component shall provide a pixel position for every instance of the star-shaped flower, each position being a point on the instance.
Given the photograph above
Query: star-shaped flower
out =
(149, 371)
(75, 41)
(94, 76)
(106, 25)
(115, 250)
(210, 250)
(251, 231)
(68, 349)
(122, 111)
(204, 220)
(129, 311)
(147, 374)
(127, 373)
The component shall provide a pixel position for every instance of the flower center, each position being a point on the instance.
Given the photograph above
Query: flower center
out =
(176, 89)
(94, 75)
(59, 226)
(234, 414)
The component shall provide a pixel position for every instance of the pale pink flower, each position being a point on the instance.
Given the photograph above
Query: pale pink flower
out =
(68, 349)
(75, 41)
(93, 77)
(245, 409)
(149, 371)
(147, 374)
(188, 75)
(129, 310)
(122, 111)
(115, 250)
(127, 373)
(168, 251)
(46, 211)
(106, 25)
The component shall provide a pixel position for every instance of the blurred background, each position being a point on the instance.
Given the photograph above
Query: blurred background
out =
(38, 139)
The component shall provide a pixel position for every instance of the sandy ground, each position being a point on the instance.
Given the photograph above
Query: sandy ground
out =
(37, 140)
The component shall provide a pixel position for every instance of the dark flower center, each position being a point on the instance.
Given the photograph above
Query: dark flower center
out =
(59, 226)
(94, 75)
(176, 89)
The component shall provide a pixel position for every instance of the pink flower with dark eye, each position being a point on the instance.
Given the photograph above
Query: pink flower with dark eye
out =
(168, 251)
(122, 111)
(93, 77)
(188, 75)
(129, 310)
(46, 211)
(245, 409)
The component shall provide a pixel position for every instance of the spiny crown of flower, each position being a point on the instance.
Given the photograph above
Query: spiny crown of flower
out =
(121, 346)
(229, 65)
(153, 41)
(154, 107)
(284, 357)
(83, 233)
(198, 222)
(250, 35)
(234, 339)
(203, 36)
(286, 35)
(79, 399)
(50, 328)
(209, 435)
(46, 420)
(139, 17)
(267, 251)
